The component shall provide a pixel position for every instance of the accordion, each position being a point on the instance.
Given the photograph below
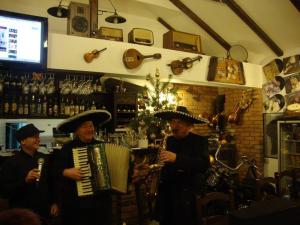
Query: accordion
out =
(104, 167)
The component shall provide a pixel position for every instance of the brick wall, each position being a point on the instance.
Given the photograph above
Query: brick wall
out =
(248, 133)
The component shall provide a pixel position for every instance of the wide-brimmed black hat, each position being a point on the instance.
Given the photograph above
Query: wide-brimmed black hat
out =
(27, 131)
(98, 117)
(181, 113)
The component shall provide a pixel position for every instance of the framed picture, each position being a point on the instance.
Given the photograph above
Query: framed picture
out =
(270, 134)
(226, 71)
(291, 64)
(292, 83)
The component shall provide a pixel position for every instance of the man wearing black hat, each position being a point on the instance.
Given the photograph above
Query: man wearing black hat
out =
(26, 178)
(185, 159)
(80, 210)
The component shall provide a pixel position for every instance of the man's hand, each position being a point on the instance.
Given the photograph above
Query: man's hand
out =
(73, 173)
(167, 156)
(32, 175)
(54, 209)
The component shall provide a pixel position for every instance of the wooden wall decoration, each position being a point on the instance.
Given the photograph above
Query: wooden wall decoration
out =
(226, 71)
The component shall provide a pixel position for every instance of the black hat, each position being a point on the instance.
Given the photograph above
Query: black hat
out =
(181, 113)
(27, 131)
(98, 117)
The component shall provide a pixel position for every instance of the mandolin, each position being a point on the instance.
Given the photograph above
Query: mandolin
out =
(132, 58)
(88, 57)
(177, 66)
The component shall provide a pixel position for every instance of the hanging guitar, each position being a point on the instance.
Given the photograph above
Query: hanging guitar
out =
(88, 57)
(246, 100)
(177, 66)
(132, 58)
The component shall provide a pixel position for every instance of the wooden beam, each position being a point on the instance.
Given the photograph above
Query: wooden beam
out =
(163, 22)
(296, 3)
(201, 23)
(93, 18)
(244, 16)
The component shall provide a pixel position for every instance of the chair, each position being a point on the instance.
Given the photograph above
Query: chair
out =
(212, 209)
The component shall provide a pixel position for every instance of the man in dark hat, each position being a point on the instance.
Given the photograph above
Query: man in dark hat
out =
(185, 160)
(75, 209)
(26, 177)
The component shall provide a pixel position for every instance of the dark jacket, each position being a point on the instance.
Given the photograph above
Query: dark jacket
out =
(36, 195)
(175, 203)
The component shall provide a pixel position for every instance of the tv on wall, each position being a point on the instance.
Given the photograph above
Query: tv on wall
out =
(23, 41)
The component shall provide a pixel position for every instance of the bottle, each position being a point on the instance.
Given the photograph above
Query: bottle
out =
(82, 106)
(72, 112)
(6, 104)
(32, 106)
(98, 86)
(55, 107)
(93, 106)
(14, 105)
(76, 106)
(50, 106)
(39, 106)
(62, 106)
(44, 106)
(26, 105)
(67, 107)
(20, 106)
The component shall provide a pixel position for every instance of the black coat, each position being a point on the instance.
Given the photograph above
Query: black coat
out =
(36, 195)
(175, 204)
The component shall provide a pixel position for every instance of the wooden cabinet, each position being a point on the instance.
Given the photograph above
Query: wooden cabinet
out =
(124, 109)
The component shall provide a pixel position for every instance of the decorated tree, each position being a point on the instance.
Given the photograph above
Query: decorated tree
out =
(156, 96)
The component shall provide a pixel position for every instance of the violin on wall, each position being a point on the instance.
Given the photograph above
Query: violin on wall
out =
(88, 57)
(132, 58)
(177, 66)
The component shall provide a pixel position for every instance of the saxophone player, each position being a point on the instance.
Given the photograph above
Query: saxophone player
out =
(185, 158)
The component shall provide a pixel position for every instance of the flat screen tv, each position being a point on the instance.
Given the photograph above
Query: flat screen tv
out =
(23, 41)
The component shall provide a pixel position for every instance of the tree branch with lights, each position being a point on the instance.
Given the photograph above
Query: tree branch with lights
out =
(156, 96)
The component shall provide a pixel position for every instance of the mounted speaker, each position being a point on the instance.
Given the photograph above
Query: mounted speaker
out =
(182, 41)
(79, 19)
(141, 36)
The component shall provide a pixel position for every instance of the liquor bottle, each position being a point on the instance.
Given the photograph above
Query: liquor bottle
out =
(67, 107)
(76, 106)
(26, 105)
(93, 106)
(98, 86)
(39, 105)
(20, 106)
(6, 104)
(14, 105)
(55, 107)
(82, 106)
(62, 106)
(72, 112)
(50, 106)
(44, 106)
(32, 106)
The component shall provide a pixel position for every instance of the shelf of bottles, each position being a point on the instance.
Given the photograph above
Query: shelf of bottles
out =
(49, 95)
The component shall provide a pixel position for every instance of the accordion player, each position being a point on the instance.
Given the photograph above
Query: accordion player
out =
(104, 166)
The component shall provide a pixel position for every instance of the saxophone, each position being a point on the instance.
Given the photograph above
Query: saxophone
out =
(155, 169)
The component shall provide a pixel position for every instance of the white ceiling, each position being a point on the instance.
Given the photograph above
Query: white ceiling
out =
(279, 19)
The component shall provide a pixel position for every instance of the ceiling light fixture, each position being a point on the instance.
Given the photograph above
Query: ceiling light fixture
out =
(58, 11)
(115, 18)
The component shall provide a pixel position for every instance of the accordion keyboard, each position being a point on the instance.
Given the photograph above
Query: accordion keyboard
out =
(81, 160)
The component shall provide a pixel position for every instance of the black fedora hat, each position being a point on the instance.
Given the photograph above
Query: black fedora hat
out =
(181, 113)
(98, 117)
(28, 130)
